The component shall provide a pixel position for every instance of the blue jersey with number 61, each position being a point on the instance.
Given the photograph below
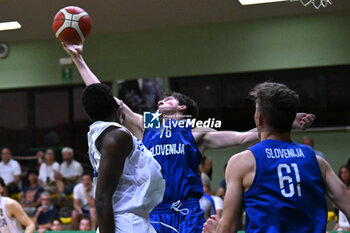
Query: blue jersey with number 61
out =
(287, 194)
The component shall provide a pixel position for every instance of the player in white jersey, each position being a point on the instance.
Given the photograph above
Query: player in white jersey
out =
(129, 180)
(12, 215)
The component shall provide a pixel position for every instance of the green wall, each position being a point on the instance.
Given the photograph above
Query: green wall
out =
(333, 144)
(276, 43)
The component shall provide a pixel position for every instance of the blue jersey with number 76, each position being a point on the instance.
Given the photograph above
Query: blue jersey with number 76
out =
(287, 194)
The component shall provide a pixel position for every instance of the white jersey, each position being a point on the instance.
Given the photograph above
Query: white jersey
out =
(343, 221)
(141, 185)
(7, 223)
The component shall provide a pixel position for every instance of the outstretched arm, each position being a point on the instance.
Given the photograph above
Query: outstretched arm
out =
(130, 119)
(76, 53)
(228, 139)
(117, 145)
(335, 189)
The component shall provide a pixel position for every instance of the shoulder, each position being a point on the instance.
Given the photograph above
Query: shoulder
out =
(11, 205)
(14, 162)
(244, 158)
(118, 140)
(323, 164)
(241, 163)
(76, 163)
(117, 135)
(78, 186)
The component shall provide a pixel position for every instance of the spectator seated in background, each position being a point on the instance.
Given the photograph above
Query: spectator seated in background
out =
(10, 171)
(85, 224)
(344, 175)
(84, 202)
(207, 203)
(218, 202)
(45, 213)
(309, 141)
(47, 172)
(68, 175)
(31, 194)
(56, 225)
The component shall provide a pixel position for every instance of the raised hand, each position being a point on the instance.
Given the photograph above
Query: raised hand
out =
(73, 50)
(303, 120)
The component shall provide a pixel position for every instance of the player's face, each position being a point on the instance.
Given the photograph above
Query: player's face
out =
(168, 105)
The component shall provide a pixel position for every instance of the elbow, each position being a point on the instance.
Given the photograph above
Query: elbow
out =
(99, 203)
(31, 226)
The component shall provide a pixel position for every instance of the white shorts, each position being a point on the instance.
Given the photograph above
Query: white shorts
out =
(131, 223)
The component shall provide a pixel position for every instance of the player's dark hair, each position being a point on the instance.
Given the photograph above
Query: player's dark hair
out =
(277, 103)
(98, 101)
(191, 105)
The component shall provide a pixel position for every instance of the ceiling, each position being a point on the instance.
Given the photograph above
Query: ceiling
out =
(130, 15)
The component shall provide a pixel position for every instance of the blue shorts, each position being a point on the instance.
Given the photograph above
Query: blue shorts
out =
(86, 212)
(181, 217)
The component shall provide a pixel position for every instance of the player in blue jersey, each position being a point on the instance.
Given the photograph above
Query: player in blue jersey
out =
(280, 184)
(178, 150)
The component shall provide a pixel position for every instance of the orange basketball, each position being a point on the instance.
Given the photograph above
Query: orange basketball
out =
(71, 25)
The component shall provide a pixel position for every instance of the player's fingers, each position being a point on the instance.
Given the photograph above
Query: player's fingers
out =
(311, 117)
(307, 120)
(211, 223)
(216, 217)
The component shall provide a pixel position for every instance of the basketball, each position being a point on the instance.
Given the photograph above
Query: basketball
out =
(71, 25)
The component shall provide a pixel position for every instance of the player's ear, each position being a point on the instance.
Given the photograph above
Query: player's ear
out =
(182, 107)
(260, 119)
